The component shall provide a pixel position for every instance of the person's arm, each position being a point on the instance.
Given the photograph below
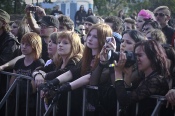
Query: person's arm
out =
(32, 22)
(11, 63)
(82, 81)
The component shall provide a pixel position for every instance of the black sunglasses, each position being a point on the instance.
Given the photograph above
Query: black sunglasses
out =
(160, 14)
(82, 29)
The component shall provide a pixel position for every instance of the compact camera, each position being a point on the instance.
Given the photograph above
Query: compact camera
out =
(108, 39)
(131, 58)
(33, 9)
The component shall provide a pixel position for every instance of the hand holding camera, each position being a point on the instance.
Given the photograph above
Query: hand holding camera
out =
(110, 44)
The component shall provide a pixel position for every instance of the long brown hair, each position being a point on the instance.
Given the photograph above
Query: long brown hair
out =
(103, 31)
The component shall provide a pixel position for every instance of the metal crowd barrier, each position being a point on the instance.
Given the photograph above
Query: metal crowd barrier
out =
(12, 87)
(52, 106)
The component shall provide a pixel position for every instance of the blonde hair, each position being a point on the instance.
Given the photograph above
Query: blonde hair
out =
(158, 35)
(77, 48)
(35, 41)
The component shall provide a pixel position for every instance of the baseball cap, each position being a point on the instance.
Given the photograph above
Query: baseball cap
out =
(49, 20)
(4, 16)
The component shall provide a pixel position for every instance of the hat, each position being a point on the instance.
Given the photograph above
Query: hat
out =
(49, 20)
(92, 19)
(4, 16)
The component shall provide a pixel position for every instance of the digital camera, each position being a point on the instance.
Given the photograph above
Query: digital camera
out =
(131, 58)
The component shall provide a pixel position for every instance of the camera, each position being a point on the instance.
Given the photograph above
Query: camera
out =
(131, 58)
(108, 39)
(32, 8)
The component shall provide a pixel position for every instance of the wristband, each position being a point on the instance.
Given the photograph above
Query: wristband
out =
(118, 80)
(38, 74)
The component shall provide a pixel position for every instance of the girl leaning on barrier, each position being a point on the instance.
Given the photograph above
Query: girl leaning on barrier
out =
(152, 66)
(31, 47)
(81, 74)
(68, 54)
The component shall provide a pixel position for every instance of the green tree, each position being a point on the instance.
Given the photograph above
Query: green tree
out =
(106, 7)
(152, 4)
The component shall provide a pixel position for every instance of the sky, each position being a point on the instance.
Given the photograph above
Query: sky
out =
(34, 1)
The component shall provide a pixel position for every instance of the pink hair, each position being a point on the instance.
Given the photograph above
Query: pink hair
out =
(146, 14)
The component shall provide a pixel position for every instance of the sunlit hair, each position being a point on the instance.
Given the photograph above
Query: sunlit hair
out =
(156, 54)
(34, 40)
(76, 50)
(158, 35)
(103, 31)
(165, 10)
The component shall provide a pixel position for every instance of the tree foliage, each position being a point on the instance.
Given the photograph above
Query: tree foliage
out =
(13, 6)
(106, 7)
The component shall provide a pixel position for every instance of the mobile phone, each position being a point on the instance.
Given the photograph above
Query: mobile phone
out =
(108, 39)
(32, 8)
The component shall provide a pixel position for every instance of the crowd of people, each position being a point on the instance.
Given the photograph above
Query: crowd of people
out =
(129, 59)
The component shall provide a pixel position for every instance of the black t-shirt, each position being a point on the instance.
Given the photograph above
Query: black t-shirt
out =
(44, 54)
(20, 68)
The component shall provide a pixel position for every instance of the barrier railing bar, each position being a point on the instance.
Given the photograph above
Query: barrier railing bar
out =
(37, 102)
(8, 93)
(16, 75)
(17, 96)
(68, 103)
(84, 102)
(53, 103)
(27, 99)
(7, 86)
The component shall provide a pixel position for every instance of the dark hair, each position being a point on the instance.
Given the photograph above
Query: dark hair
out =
(23, 29)
(156, 54)
(153, 23)
(135, 35)
(116, 21)
(66, 21)
(170, 52)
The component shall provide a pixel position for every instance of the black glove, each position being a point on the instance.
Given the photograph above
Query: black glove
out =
(64, 88)
(49, 85)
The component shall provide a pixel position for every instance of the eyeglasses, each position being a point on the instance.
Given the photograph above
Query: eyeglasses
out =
(145, 29)
(160, 14)
(45, 26)
(81, 29)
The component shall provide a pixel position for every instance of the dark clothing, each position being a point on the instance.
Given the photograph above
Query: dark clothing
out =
(62, 101)
(48, 68)
(44, 54)
(170, 34)
(59, 71)
(80, 16)
(9, 49)
(9, 46)
(56, 11)
(153, 84)
(20, 68)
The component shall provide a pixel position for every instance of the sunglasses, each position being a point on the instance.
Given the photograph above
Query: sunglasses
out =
(82, 29)
(145, 29)
(160, 14)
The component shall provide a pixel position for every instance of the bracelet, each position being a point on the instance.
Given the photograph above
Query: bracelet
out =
(29, 17)
(38, 74)
(118, 80)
